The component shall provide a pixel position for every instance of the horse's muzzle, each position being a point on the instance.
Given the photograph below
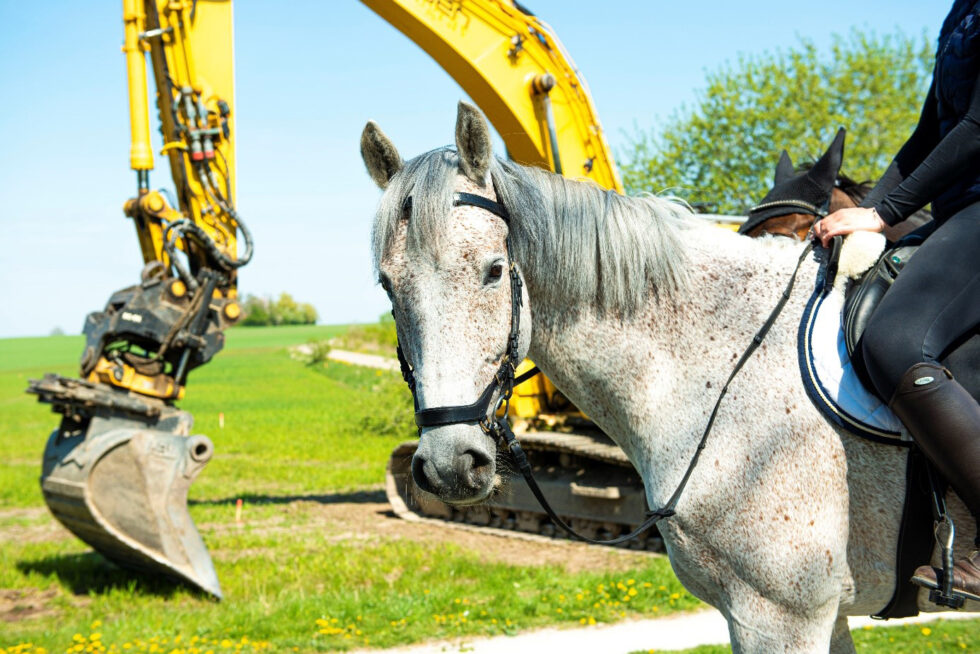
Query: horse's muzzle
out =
(455, 463)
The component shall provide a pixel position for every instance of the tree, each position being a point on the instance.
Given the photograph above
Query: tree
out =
(722, 152)
(256, 311)
(283, 311)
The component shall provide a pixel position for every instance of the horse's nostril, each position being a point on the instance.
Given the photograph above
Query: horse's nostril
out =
(418, 475)
(479, 458)
(475, 468)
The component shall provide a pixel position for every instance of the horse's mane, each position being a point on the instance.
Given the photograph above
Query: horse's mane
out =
(584, 243)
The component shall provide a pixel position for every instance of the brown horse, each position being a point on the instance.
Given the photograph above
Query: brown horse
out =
(814, 181)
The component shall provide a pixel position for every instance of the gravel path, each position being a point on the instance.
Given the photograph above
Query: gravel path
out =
(674, 632)
(366, 360)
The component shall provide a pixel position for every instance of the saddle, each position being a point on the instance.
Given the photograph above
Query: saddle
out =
(863, 297)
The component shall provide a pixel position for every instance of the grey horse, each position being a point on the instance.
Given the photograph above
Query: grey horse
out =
(637, 311)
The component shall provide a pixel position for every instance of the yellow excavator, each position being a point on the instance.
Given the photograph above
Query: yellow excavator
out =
(117, 469)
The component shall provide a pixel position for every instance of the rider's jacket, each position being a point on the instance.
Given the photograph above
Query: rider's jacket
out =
(940, 163)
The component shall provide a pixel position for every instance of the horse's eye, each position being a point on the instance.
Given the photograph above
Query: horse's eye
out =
(495, 272)
(385, 284)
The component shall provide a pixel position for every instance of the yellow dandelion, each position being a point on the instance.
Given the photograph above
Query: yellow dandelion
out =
(591, 620)
(926, 631)
(632, 592)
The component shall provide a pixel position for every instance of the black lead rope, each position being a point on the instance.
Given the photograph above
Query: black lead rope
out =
(504, 381)
(668, 509)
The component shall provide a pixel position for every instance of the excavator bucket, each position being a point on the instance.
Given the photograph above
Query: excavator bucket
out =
(116, 473)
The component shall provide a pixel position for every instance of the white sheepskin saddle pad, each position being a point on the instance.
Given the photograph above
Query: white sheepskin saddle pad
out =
(828, 373)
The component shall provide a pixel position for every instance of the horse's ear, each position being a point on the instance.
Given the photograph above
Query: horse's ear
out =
(379, 154)
(473, 143)
(784, 169)
(824, 172)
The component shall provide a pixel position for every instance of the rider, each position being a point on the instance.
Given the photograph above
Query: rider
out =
(936, 299)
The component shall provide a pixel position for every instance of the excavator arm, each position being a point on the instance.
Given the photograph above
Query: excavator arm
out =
(117, 470)
(150, 336)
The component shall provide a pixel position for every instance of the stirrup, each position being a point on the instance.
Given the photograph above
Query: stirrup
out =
(945, 533)
(944, 595)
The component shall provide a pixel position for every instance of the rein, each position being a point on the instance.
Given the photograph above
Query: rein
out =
(505, 381)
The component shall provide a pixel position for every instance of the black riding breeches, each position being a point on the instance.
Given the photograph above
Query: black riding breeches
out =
(933, 302)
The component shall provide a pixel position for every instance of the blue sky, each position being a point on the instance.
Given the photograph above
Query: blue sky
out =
(307, 79)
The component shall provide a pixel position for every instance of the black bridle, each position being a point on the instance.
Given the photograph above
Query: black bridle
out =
(504, 381)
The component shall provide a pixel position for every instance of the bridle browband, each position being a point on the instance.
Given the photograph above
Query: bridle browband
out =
(504, 381)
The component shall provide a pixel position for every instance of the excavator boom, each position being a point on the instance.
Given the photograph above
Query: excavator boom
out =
(519, 74)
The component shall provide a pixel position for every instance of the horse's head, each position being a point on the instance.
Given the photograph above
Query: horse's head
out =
(443, 259)
(795, 200)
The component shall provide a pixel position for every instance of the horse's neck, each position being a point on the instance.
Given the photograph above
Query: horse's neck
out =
(649, 380)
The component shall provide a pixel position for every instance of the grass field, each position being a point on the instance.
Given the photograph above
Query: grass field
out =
(317, 563)
(298, 442)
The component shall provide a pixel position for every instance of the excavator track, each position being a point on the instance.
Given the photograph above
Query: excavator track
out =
(585, 476)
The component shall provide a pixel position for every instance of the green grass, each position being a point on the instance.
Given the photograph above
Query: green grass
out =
(938, 636)
(296, 439)
(279, 586)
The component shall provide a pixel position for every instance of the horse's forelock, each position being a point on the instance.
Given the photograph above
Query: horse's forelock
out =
(429, 181)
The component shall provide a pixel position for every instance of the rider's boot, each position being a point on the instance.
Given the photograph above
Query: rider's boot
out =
(944, 420)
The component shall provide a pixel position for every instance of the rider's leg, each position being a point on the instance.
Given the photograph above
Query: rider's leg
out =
(934, 302)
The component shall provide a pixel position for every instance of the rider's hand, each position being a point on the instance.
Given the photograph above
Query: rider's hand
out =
(845, 221)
